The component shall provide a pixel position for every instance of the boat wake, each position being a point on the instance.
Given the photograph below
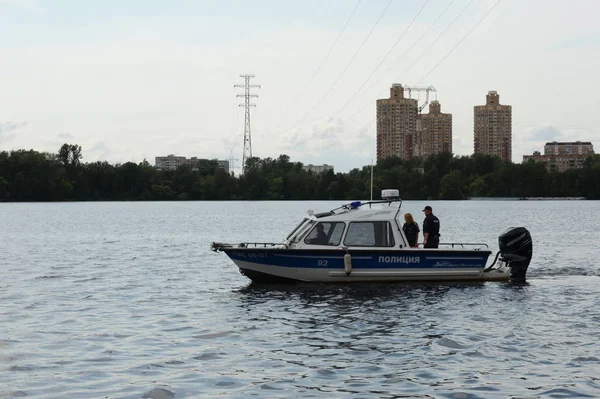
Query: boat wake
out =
(563, 271)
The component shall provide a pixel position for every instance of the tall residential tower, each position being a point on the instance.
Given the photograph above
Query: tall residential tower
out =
(493, 128)
(396, 125)
(434, 131)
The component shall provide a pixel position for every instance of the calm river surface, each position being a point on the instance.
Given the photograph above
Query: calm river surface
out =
(125, 300)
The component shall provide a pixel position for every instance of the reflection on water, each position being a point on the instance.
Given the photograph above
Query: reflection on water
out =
(126, 301)
(341, 297)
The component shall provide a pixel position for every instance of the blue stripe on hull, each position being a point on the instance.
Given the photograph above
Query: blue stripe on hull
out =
(364, 259)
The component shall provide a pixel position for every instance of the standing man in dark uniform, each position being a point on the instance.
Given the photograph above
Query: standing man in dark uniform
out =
(431, 229)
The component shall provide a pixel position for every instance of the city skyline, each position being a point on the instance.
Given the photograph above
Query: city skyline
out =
(131, 81)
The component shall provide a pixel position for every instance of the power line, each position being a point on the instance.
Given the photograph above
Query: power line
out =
(451, 50)
(343, 71)
(431, 45)
(460, 41)
(380, 63)
(235, 117)
(384, 58)
(424, 52)
(436, 39)
(396, 63)
(325, 58)
(411, 47)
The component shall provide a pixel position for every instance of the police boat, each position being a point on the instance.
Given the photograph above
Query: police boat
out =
(364, 242)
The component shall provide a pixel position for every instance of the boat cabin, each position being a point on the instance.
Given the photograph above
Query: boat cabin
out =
(374, 224)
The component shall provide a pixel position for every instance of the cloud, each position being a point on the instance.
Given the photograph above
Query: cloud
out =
(65, 136)
(99, 151)
(8, 130)
(586, 40)
(544, 133)
(10, 127)
(114, 154)
(319, 139)
(28, 5)
(461, 146)
(335, 141)
(229, 142)
(55, 142)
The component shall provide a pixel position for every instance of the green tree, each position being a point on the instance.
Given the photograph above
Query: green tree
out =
(38, 176)
(450, 186)
(479, 187)
(70, 154)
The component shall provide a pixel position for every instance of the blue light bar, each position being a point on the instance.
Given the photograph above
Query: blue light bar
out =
(355, 204)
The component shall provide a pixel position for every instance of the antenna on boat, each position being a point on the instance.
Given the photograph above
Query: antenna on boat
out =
(371, 179)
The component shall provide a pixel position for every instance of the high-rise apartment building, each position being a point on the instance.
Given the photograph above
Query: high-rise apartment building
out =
(434, 132)
(396, 125)
(493, 128)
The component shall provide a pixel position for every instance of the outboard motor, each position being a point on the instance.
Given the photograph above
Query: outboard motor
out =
(516, 249)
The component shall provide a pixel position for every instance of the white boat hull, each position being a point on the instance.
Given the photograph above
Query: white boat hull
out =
(261, 272)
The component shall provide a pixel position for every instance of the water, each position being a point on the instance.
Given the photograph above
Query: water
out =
(125, 300)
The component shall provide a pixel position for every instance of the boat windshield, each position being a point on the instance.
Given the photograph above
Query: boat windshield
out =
(296, 229)
(304, 228)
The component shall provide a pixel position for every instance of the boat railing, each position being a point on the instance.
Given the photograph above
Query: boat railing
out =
(460, 244)
(358, 204)
(262, 244)
(217, 246)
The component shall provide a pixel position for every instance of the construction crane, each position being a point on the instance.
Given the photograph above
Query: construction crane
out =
(419, 89)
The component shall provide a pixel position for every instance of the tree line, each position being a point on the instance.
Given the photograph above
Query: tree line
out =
(28, 175)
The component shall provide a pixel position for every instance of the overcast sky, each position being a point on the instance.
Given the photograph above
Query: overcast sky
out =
(129, 80)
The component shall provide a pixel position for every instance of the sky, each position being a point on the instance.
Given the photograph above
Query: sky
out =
(136, 79)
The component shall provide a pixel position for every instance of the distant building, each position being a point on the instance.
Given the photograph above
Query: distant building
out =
(197, 163)
(434, 132)
(223, 165)
(563, 156)
(493, 128)
(317, 168)
(396, 125)
(172, 162)
(569, 148)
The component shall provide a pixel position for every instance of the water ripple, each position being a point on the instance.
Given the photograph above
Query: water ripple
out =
(127, 302)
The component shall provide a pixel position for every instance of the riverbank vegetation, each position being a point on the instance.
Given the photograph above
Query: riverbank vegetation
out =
(28, 175)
